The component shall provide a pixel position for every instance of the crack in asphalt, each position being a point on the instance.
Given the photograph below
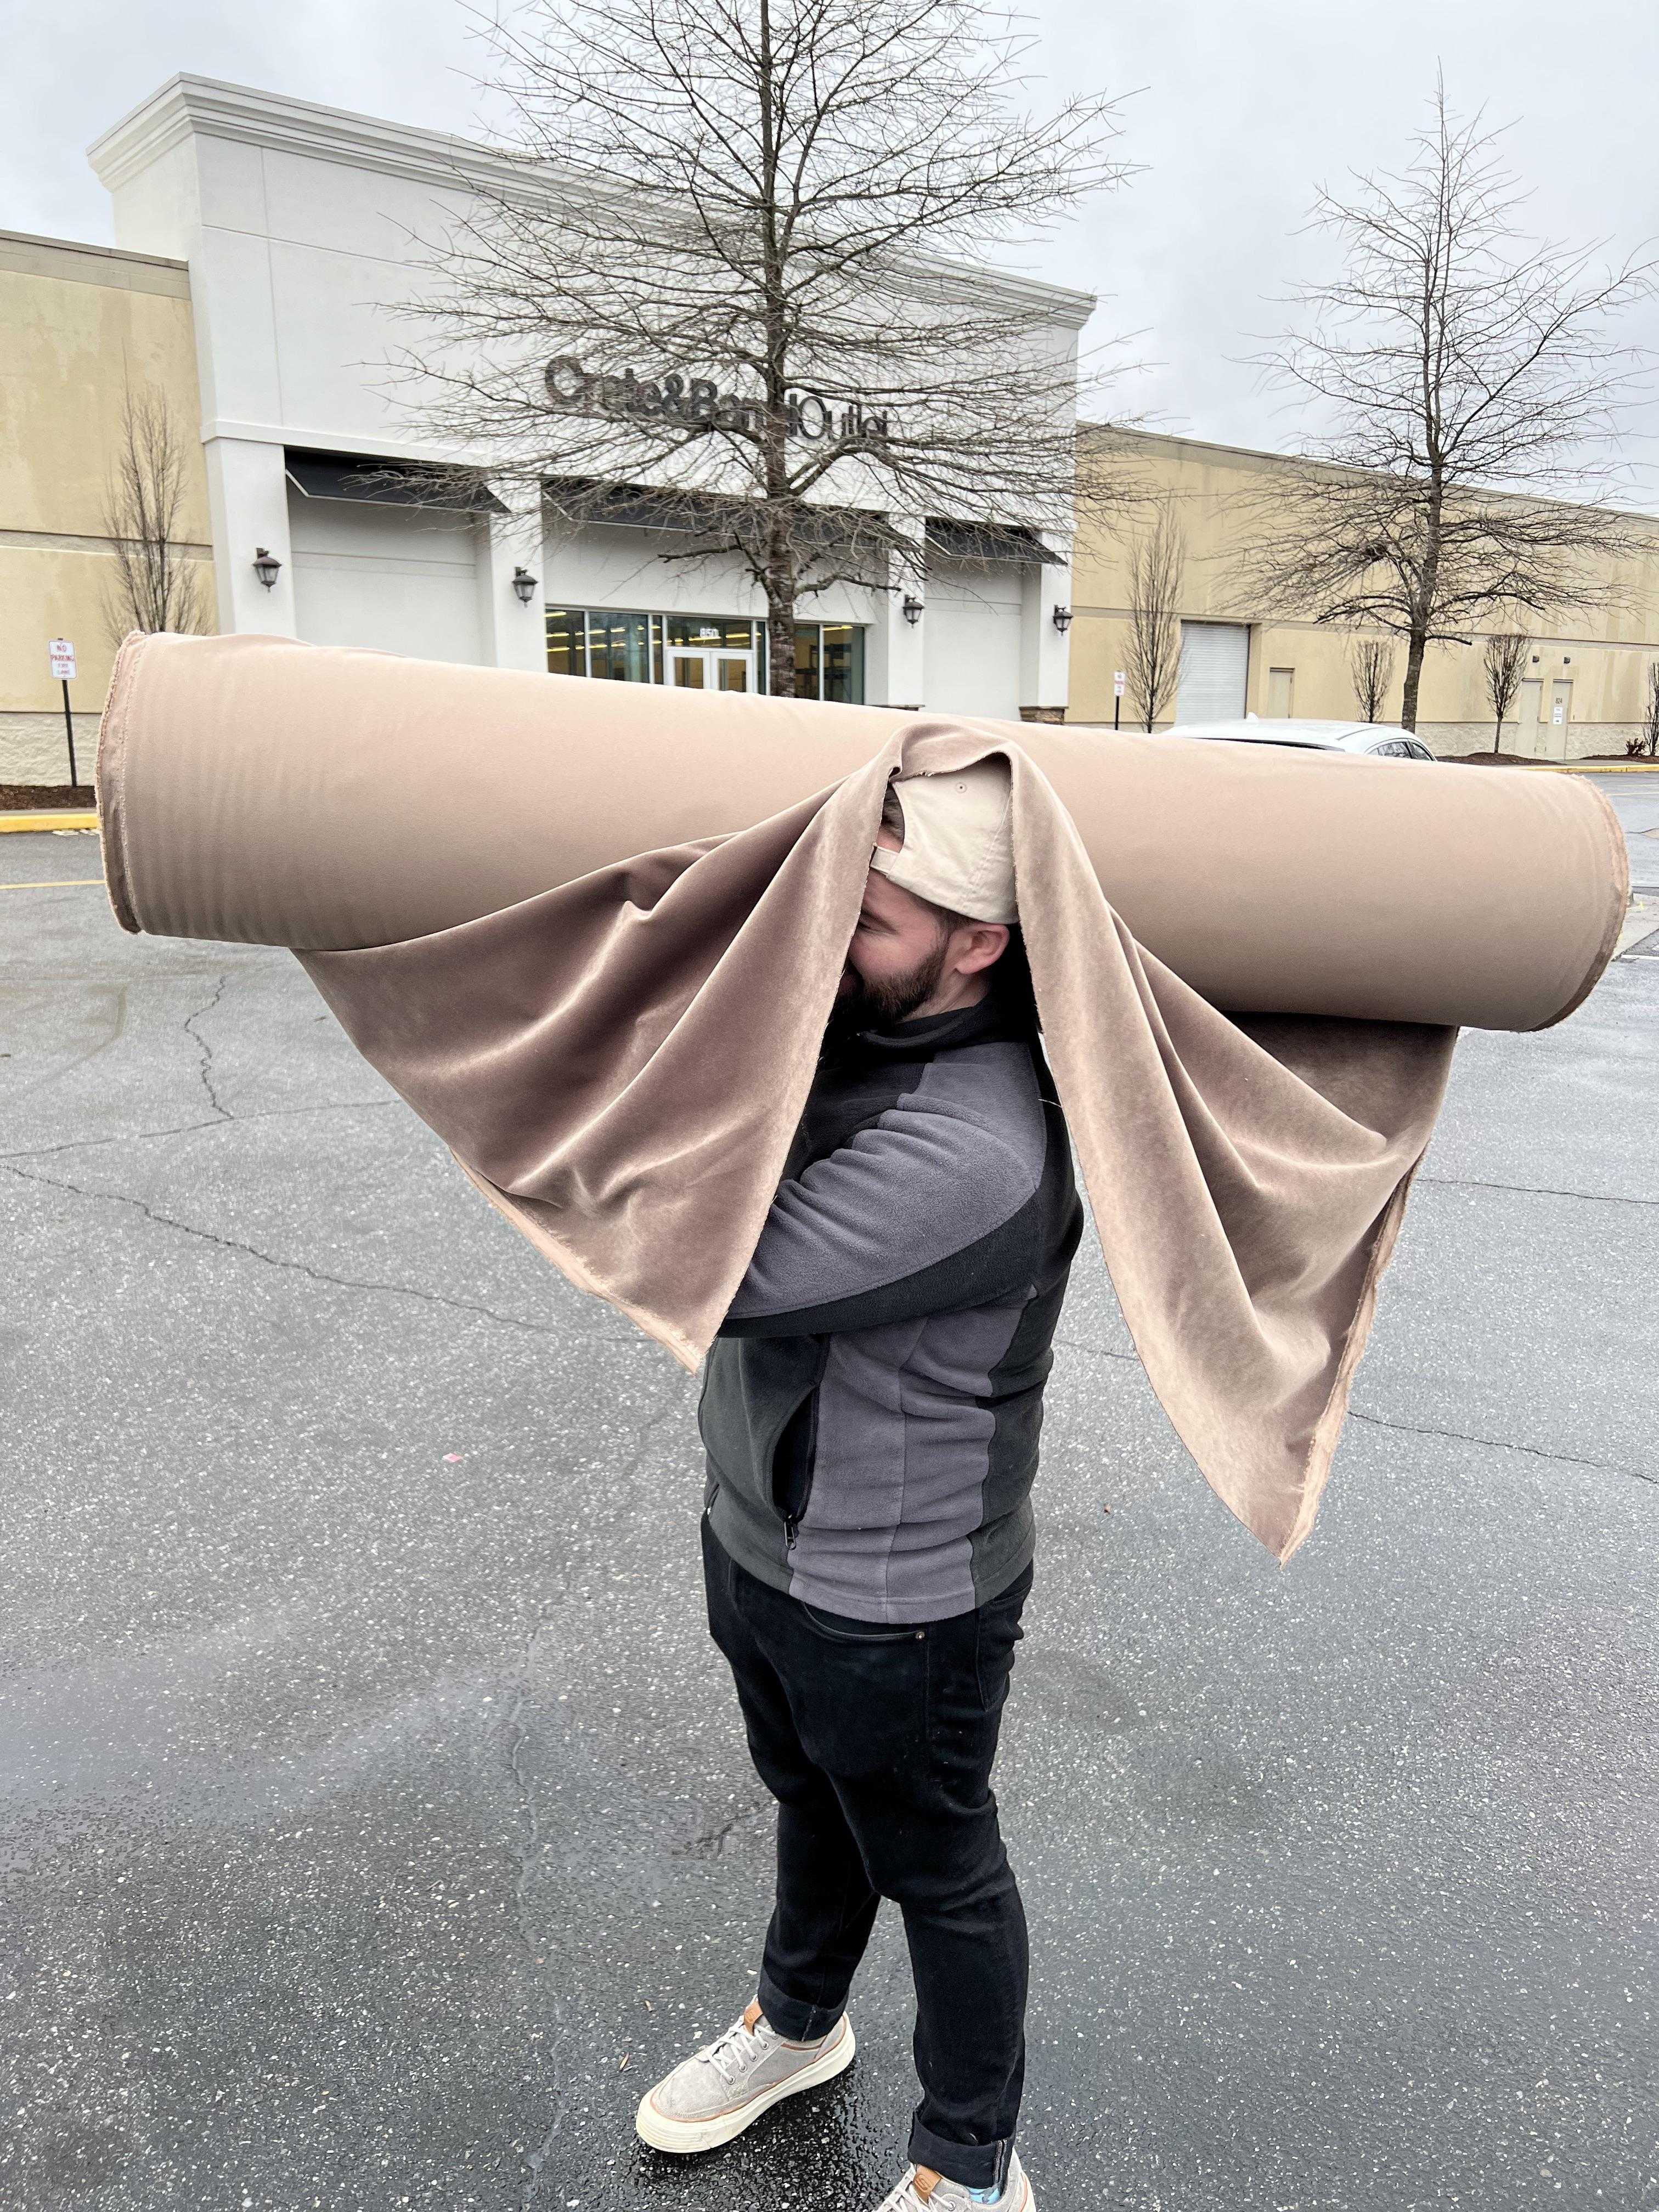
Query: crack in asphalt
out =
(1539, 1190)
(205, 1071)
(1095, 1350)
(1414, 1429)
(188, 1128)
(293, 1266)
(1501, 1444)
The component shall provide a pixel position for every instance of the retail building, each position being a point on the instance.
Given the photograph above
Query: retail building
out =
(300, 226)
(1584, 677)
(80, 325)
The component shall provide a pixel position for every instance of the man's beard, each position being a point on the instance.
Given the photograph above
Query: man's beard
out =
(884, 1005)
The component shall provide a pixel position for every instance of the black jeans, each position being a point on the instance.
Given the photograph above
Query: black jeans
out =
(877, 1743)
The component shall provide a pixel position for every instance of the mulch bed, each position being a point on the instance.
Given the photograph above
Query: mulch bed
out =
(1531, 760)
(15, 797)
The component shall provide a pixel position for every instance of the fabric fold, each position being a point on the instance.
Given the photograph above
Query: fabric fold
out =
(620, 1064)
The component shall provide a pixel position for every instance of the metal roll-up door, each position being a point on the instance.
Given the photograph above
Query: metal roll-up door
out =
(1215, 665)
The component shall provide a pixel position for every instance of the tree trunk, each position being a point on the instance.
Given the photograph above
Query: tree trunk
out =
(781, 636)
(1414, 652)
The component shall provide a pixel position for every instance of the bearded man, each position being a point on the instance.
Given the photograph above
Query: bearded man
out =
(871, 1415)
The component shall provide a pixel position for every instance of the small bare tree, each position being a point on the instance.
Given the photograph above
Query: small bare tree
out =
(154, 584)
(1461, 383)
(1648, 741)
(1501, 662)
(1370, 666)
(1152, 652)
(723, 282)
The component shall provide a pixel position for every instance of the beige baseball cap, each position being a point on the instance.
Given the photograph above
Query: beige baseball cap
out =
(959, 848)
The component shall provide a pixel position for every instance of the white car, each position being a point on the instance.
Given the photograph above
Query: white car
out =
(1386, 738)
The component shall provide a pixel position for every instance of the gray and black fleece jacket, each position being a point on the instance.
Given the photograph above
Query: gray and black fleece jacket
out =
(873, 1401)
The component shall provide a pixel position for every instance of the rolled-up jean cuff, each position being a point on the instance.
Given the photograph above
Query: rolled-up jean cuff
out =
(971, 2165)
(794, 2021)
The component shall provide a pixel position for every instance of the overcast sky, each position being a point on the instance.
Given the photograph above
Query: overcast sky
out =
(1235, 109)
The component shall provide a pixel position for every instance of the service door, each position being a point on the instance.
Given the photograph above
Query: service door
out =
(402, 579)
(970, 638)
(1528, 737)
(1215, 665)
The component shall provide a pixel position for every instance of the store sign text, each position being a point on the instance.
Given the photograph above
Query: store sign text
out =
(697, 401)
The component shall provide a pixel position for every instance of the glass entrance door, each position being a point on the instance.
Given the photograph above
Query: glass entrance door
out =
(697, 668)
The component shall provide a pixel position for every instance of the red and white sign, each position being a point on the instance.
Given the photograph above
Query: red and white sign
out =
(63, 660)
(1119, 683)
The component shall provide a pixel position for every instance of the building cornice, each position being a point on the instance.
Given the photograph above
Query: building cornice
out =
(1124, 439)
(189, 107)
(25, 254)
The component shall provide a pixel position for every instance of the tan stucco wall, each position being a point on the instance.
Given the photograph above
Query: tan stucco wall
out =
(78, 324)
(1214, 490)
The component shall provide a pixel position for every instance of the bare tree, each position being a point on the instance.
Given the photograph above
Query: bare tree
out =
(1461, 381)
(725, 283)
(1152, 652)
(1648, 740)
(154, 583)
(1501, 662)
(1371, 664)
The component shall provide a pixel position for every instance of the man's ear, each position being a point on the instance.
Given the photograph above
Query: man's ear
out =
(983, 943)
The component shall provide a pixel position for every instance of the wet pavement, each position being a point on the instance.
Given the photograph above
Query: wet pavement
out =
(374, 1820)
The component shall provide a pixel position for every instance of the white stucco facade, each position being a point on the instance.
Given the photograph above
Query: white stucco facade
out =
(298, 226)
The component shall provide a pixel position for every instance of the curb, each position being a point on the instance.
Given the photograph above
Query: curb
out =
(43, 818)
(1595, 768)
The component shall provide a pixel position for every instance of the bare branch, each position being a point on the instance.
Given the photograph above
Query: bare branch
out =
(1465, 392)
(154, 585)
(1158, 562)
(1371, 664)
(731, 264)
(1501, 664)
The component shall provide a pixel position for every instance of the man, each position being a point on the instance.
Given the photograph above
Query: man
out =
(870, 1414)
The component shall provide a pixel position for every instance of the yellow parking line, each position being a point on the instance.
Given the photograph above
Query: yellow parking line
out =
(58, 883)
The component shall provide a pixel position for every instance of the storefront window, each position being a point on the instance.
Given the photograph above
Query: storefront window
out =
(567, 641)
(626, 648)
(718, 632)
(829, 662)
(619, 646)
(842, 657)
(807, 671)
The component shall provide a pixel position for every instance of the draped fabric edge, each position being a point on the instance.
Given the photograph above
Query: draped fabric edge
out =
(1272, 1487)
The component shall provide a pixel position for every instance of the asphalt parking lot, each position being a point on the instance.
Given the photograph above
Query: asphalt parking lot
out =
(374, 1819)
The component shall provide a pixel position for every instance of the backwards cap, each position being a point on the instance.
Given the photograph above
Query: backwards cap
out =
(959, 840)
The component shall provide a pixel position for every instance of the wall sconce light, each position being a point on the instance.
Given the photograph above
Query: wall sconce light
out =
(524, 585)
(1062, 619)
(266, 567)
(912, 608)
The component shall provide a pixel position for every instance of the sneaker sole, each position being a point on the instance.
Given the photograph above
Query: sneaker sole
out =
(663, 2133)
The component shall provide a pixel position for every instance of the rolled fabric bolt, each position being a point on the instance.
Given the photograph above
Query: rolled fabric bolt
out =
(267, 792)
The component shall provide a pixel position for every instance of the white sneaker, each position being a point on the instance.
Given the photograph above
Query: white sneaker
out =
(923, 2190)
(721, 2089)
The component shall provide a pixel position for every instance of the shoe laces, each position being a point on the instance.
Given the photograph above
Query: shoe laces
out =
(729, 2053)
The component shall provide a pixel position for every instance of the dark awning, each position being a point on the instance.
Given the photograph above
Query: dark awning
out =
(699, 514)
(363, 477)
(989, 541)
